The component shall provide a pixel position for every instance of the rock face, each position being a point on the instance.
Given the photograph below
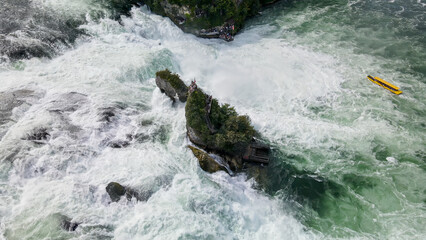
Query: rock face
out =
(207, 163)
(194, 138)
(171, 85)
(217, 128)
(67, 225)
(116, 191)
(207, 18)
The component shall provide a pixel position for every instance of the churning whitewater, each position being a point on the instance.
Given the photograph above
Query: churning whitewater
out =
(348, 158)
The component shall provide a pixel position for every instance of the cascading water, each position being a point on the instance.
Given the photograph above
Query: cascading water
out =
(348, 158)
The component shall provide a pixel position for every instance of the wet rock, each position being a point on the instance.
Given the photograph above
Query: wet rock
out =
(107, 114)
(141, 137)
(38, 135)
(259, 173)
(116, 191)
(65, 222)
(194, 137)
(171, 85)
(68, 102)
(68, 225)
(235, 162)
(119, 144)
(111, 113)
(218, 129)
(12, 100)
(144, 195)
(207, 163)
(29, 30)
(13, 106)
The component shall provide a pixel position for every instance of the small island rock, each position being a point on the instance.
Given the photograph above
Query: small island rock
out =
(171, 85)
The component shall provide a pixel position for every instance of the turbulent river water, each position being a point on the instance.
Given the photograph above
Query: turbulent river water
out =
(349, 157)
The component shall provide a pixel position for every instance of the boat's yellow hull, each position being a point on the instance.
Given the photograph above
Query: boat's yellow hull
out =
(382, 83)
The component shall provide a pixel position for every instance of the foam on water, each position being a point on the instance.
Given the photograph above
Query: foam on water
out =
(68, 173)
(304, 99)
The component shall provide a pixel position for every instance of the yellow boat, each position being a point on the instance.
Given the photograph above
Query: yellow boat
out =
(385, 84)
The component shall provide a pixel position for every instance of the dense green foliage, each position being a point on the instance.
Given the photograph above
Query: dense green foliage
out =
(233, 132)
(118, 7)
(211, 13)
(173, 79)
(194, 113)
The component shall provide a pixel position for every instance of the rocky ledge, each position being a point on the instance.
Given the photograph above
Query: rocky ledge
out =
(208, 18)
(217, 130)
(171, 85)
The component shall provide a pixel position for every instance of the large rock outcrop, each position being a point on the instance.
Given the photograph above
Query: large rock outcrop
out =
(218, 128)
(215, 129)
(207, 18)
(171, 85)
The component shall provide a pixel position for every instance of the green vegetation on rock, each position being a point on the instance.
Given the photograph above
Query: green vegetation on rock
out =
(171, 85)
(232, 132)
(173, 79)
(205, 14)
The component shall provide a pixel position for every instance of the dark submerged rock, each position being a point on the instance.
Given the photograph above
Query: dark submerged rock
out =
(68, 225)
(11, 100)
(28, 30)
(116, 191)
(107, 114)
(67, 102)
(119, 144)
(38, 135)
(171, 85)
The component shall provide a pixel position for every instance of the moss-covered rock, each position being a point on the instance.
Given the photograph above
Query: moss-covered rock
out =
(208, 18)
(171, 85)
(207, 163)
(115, 191)
(213, 127)
(219, 128)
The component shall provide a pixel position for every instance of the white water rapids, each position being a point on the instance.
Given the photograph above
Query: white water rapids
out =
(69, 174)
(274, 81)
